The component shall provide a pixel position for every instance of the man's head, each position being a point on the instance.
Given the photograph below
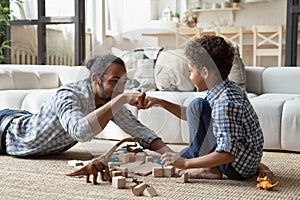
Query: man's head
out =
(212, 52)
(108, 76)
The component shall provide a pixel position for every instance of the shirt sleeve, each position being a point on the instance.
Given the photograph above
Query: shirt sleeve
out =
(227, 127)
(70, 112)
(128, 123)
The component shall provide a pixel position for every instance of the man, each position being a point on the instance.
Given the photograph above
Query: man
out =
(76, 113)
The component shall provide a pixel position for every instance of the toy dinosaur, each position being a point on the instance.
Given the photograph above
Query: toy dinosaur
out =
(265, 183)
(100, 164)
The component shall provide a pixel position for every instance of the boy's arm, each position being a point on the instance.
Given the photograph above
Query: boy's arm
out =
(176, 109)
(210, 160)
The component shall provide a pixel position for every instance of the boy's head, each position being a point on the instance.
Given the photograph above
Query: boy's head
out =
(212, 52)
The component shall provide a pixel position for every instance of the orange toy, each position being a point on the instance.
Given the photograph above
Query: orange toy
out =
(265, 183)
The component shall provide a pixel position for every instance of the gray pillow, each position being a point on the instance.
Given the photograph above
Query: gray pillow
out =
(238, 72)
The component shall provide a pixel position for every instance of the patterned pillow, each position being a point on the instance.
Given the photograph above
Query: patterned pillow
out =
(140, 65)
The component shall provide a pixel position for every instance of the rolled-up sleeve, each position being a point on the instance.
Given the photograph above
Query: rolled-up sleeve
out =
(128, 123)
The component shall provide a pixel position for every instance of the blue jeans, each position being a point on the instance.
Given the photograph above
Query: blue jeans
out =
(3, 126)
(7, 112)
(202, 140)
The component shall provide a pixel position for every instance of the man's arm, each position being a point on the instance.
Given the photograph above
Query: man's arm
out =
(99, 118)
(176, 109)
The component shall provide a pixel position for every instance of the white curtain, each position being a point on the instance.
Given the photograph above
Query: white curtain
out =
(126, 15)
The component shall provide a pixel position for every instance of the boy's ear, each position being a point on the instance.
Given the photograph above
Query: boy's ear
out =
(204, 72)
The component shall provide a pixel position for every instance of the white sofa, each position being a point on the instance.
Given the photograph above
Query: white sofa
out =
(274, 93)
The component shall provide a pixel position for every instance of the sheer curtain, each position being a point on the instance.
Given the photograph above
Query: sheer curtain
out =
(126, 15)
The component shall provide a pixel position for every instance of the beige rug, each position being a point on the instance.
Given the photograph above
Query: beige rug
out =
(43, 178)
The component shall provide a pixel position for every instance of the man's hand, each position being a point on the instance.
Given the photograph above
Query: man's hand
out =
(174, 159)
(137, 99)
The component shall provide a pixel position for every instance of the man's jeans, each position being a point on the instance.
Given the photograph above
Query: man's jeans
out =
(6, 116)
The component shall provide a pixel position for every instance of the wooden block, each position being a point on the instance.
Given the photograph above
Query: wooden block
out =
(132, 157)
(145, 169)
(124, 158)
(139, 189)
(150, 192)
(141, 156)
(116, 173)
(149, 159)
(119, 182)
(158, 172)
(123, 170)
(169, 171)
(75, 163)
(183, 179)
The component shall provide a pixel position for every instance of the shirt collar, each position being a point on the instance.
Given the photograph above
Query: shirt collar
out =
(215, 92)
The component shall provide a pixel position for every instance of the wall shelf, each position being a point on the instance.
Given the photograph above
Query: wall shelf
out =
(230, 10)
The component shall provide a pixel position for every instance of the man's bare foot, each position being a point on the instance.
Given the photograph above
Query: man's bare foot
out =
(264, 170)
(203, 173)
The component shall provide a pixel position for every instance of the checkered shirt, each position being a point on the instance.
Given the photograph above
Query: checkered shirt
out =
(61, 123)
(236, 126)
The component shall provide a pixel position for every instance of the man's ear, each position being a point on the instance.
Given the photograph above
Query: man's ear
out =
(94, 77)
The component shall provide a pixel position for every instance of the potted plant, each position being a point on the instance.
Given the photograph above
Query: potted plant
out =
(175, 17)
(4, 22)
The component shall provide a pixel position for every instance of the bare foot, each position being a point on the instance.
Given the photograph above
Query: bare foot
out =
(205, 173)
(264, 170)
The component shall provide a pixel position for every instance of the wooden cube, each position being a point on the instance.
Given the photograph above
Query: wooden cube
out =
(118, 182)
(150, 192)
(116, 173)
(123, 170)
(141, 156)
(149, 159)
(169, 171)
(158, 172)
(124, 158)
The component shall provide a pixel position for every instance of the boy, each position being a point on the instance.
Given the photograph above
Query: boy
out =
(225, 134)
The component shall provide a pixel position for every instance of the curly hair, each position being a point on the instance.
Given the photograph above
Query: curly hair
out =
(212, 52)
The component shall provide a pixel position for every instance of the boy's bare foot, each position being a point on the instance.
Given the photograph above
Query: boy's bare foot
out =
(264, 170)
(203, 173)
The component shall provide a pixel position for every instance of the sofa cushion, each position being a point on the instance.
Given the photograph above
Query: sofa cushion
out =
(269, 110)
(275, 80)
(171, 72)
(290, 135)
(140, 65)
(6, 80)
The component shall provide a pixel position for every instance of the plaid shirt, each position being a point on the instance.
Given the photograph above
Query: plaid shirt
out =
(61, 123)
(236, 126)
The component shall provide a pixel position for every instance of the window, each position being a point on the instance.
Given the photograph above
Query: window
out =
(48, 25)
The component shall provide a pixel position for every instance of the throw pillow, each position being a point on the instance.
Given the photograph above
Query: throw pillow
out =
(140, 65)
(171, 72)
(238, 72)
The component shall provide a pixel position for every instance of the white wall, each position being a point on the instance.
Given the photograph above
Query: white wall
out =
(272, 12)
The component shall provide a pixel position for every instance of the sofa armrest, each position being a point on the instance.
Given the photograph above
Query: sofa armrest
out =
(254, 79)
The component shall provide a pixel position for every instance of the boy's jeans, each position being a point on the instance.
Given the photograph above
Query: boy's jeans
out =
(202, 139)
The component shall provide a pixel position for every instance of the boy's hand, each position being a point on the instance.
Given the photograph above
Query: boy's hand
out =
(174, 159)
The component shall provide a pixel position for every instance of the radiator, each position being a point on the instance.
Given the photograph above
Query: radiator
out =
(26, 56)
